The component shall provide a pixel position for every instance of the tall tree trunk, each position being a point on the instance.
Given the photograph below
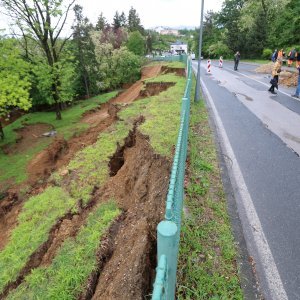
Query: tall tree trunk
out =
(56, 101)
(1, 132)
(57, 111)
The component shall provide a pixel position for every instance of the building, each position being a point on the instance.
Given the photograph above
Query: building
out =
(169, 32)
(179, 48)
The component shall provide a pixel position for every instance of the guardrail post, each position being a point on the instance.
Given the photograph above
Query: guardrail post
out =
(166, 245)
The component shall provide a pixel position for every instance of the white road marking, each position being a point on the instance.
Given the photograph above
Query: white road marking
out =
(255, 238)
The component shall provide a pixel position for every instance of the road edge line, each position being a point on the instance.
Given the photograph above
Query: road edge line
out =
(255, 239)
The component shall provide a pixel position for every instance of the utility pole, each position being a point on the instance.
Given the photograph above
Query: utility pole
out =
(197, 92)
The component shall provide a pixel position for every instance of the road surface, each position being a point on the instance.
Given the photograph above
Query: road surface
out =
(260, 138)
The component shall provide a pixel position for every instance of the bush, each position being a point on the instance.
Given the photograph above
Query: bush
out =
(267, 53)
(219, 49)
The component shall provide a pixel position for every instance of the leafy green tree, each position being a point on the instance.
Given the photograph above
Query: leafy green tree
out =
(229, 20)
(43, 22)
(101, 23)
(136, 43)
(123, 20)
(126, 66)
(14, 80)
(84, 54)
(134, 21)
(116, 21)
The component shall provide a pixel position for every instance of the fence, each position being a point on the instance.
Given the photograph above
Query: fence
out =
(168, 230)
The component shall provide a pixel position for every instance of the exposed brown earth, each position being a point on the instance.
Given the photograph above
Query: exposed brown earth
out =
(140, 188)
(287, 77)
(139, 182)
(27, 137)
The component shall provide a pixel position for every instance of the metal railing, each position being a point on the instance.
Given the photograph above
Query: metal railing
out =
(168, 230)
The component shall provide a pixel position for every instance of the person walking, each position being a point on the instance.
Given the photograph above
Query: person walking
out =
(274, 55)
(237, 57)
(298, 59)
(275, 73)
(291, 57)
(297, 93)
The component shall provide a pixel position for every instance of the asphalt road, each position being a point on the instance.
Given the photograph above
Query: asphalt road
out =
(260, 138)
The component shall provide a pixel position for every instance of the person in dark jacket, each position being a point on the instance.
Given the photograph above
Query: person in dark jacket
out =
(237, 57)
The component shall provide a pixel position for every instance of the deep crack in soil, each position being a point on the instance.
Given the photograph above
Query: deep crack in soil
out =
(155, 88)
(139, 182)
(177, 71)
(140, 187)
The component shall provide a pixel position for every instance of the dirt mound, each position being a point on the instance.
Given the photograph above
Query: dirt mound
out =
(27, 137)
(154, 88)
(287, 78)
(266, 68)
(44, 162)
(177, 71)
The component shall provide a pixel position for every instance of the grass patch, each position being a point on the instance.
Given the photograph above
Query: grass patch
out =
(207, 260)
(162, 113)
(14, 166)
(35, 221)
(76, 259)
(90, 166)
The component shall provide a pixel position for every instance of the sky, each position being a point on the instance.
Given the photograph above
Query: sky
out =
(171, 13)
(152, 13)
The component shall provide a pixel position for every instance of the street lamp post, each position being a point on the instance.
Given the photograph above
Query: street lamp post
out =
(197, 92)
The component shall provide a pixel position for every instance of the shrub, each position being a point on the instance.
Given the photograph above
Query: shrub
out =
(267, 53)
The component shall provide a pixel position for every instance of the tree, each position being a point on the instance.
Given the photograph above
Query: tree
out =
(84, 53)
(14, 80)
(229, 19)
(123, 20)
(116, 21)
(134, 22)
(43, 21)
(136, 43)
(101, 23)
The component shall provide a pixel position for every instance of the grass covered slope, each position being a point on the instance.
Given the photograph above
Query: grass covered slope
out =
(76, 259)
(13, 166)
(207, 267)
(35, 221)
(88, 169)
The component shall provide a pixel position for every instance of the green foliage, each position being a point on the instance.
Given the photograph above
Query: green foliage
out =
(219, 49)
(267, 53)
(134, 22)
(45, 75)
(136, 43)
(207, 260)
(126, 66)
(32, 230)
(74, 262)
(118, 65)
(249, 26)
(14, 79)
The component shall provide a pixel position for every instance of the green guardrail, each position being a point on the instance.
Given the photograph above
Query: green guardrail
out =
(168, 230)
(181, 57)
